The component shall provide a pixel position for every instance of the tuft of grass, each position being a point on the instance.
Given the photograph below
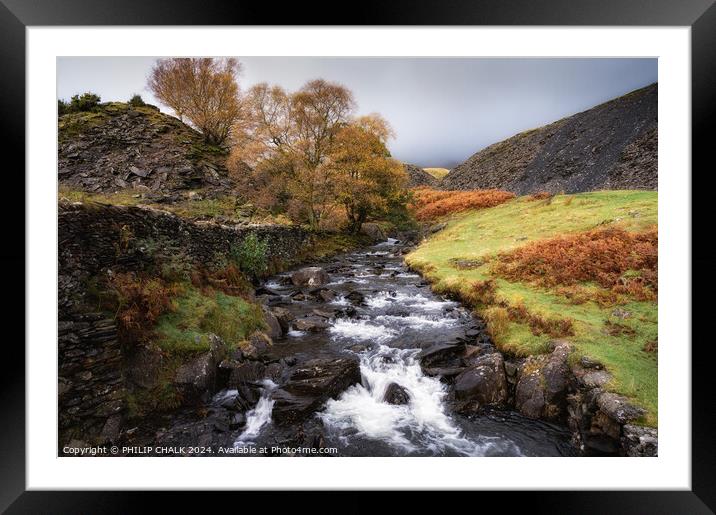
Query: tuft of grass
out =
(199, 312)
(125, 197)
(480, 236)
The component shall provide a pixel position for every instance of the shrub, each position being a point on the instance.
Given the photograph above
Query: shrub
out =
(483, 292)
(251, 256)
(498, 322)
(539, 325)
(136, 101)
(83, 103)
(613, 258)
(63, 107)
(428, 204)
(227, 279)
(542, 195)
(140, 303)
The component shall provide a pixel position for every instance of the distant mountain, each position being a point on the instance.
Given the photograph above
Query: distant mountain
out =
(419, 177)
(611, 146)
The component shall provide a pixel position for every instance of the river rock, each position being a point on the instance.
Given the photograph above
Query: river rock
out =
(312, 324)
(396, 394)
(324, 313)
(326, 295)
(541, 390)
(442, 355)
(310, 385)
(274, 327)
(311, 276)
(284, 318)
(257, 345)
(483, 384)
(356, 298)
(618, 408)
(248, 372)
(639, 441)
(196, 377)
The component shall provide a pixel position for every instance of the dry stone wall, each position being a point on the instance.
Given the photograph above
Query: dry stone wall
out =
(95, 238)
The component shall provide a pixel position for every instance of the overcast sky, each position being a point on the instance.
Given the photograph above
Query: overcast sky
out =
(442, 109)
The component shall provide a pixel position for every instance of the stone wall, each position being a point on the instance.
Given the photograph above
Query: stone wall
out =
(95, 238)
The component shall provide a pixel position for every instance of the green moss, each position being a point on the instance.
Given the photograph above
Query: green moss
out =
(126, 197)
(479, 235)
(198, 313)
(162, 397)
(325, 245)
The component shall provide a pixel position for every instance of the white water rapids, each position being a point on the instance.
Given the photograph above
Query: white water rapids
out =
(422, 421)
(395, 317)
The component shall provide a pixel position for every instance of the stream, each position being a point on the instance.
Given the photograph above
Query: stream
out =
(384, 315)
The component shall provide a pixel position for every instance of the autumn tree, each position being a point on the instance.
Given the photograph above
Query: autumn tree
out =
(202, 90)
(296, 132)
(366, 178)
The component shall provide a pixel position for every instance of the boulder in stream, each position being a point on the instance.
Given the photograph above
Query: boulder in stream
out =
(310, 276)
(310, 385)
(483, 384)
(284, 318)
(274, 327)
(313, 324)
(396, 394)
(541, 390)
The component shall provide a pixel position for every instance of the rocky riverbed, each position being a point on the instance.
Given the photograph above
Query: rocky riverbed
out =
(362, 358)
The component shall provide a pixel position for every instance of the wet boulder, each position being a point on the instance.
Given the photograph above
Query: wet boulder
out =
(396, 394)
(310, 385)
(541, 390)
(356, 298)
(313, 324)
(324, 313)
(639, 441)
(196, 376)
(441, 355)
(483, 384)
(311, 276)
(257, 345)
(284, 318)
(274, 327)
(325, 295)
(246, 373)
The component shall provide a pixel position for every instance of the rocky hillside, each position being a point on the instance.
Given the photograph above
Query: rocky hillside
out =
(119, 146)
(611, 146)
(419, 177)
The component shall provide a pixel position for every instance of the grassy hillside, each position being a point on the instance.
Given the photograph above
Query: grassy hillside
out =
(614, 325)
(438, 173)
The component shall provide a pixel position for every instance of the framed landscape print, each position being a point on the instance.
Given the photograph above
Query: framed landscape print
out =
(408, 255)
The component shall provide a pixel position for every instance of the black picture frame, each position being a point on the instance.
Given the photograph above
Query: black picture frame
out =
(699, 15)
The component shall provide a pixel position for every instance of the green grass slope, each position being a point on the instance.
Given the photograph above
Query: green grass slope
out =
(477, 236)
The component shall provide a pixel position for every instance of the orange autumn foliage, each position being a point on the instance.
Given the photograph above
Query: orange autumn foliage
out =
(617, 260)
(429, 204)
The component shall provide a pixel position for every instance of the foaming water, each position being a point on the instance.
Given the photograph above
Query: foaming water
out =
(362, 330)
(416, 321)
(384, 298)
(422, 424)
(258, 417)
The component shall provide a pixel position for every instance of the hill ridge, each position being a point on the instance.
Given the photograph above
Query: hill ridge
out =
(610, 146)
